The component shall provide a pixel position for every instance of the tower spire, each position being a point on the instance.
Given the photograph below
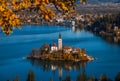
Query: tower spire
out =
(60, 42)
(60, 37)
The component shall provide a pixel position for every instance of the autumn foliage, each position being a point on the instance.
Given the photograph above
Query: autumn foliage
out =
(9, 20)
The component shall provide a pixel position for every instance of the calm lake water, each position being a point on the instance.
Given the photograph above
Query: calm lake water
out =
(20, 43)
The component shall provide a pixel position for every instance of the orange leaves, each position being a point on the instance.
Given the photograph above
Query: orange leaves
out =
(46, 1)
(15, 4)
(7, 30)
(1, 21)
(62, 5)
(41, 2)
(42, 8)
(8, 19)
(68, 15)
(48, 14)
(1, 8)
(8, 24)
(19, 4)
(36, 2)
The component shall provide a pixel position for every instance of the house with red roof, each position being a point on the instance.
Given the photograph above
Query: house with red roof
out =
(67, 49)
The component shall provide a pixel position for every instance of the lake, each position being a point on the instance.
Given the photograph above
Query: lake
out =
(15, 47)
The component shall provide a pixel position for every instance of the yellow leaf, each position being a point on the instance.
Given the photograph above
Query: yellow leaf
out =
(42, 8)
(36, 2)
(46, 1)
(47, 17)
(1, 8)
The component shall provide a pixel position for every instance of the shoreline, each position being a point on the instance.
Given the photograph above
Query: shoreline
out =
(59, 60)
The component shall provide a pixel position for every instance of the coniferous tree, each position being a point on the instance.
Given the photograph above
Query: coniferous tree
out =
(67, 78)
(51, 79)
(31, 76)
(81, 77)
(103, 78)
(16, 79)
(117, 78)
(8, 80)
(91, 78)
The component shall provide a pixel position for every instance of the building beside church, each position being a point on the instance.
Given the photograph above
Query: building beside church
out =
(67, 49)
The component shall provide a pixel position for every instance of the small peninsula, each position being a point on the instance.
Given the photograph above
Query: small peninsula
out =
(53, 52)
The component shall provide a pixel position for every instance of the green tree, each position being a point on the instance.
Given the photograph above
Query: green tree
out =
(117, 78)
(31, 76)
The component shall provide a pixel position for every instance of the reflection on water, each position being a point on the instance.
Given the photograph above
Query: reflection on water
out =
(60, 66)
(21, 42)
(108, 39)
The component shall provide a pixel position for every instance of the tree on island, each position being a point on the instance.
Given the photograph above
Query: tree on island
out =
(31, 76)
(9, 20)
(32, 53)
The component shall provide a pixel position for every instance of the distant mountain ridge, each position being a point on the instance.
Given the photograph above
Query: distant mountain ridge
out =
(103, 1)
(114, 1)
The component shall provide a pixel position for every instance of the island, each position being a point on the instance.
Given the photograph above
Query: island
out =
(59, 52)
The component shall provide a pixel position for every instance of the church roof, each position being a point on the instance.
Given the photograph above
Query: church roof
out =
(54, 44)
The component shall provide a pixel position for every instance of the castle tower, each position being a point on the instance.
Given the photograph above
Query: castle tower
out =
(60, 42)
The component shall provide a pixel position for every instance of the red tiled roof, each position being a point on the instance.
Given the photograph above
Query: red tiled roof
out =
(66, 47)
(77, 49)
(54, 44)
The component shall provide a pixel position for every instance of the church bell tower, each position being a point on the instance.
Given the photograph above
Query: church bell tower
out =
(60, 42)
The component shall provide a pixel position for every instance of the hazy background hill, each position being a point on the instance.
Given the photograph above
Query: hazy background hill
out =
(114, 1)
(103, 1)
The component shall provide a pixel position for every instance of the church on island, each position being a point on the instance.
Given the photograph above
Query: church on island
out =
(59, 52)
(54, 47)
